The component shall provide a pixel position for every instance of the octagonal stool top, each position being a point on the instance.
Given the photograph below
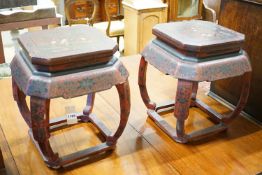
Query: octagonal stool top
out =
(194, 51)
(67, 62)
(67, 48)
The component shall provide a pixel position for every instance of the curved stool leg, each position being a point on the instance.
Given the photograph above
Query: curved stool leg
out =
(124, 98)
(20, 97)
(246, 81)
(225, 119)
(40, 129)
(38, 121)
(89, 107)
(142, 84)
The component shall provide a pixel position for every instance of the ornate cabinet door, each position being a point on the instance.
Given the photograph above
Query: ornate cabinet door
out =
(146, 22)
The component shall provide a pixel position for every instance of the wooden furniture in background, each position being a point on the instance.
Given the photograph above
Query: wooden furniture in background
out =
(184, 9)
(78, 11)
(67, 63)
(192, 52)
(25, 19)
(209, 14)
(81, 11)
(114, 24)
(140, 17)
(213, 4)
(245, 17)
(100, 15)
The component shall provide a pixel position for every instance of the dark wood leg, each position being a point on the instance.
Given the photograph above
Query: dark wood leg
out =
(124, 98)
(45, 27)
(181, 111)
(246, 81)
(20, 98)
(194, 94)
(2, 164)
(40, 129)
(117, 39)
(218, 118)
(142, 84)
(2, 55)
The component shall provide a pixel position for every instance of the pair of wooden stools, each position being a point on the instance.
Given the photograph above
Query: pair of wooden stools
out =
(75, 61)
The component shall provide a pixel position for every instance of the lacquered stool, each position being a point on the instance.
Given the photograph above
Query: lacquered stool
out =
(192, 52)
(67, 62)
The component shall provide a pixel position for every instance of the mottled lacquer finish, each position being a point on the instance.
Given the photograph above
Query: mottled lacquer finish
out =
(66, 85)
(42, 86)
(199, 38)
(67, 48)
(170, 61)
(171, 53)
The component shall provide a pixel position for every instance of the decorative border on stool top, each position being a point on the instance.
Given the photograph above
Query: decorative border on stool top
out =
(183, 57)
(70, 71)
(211, 70)
(68, 85)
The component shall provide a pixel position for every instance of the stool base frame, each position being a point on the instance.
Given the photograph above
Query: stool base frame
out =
(186, 98)
(37, 118)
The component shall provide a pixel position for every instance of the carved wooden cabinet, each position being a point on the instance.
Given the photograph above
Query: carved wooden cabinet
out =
(140, 17)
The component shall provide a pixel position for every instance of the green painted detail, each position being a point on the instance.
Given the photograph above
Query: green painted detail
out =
(87, 83)
(123, 70)
(182, 100)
